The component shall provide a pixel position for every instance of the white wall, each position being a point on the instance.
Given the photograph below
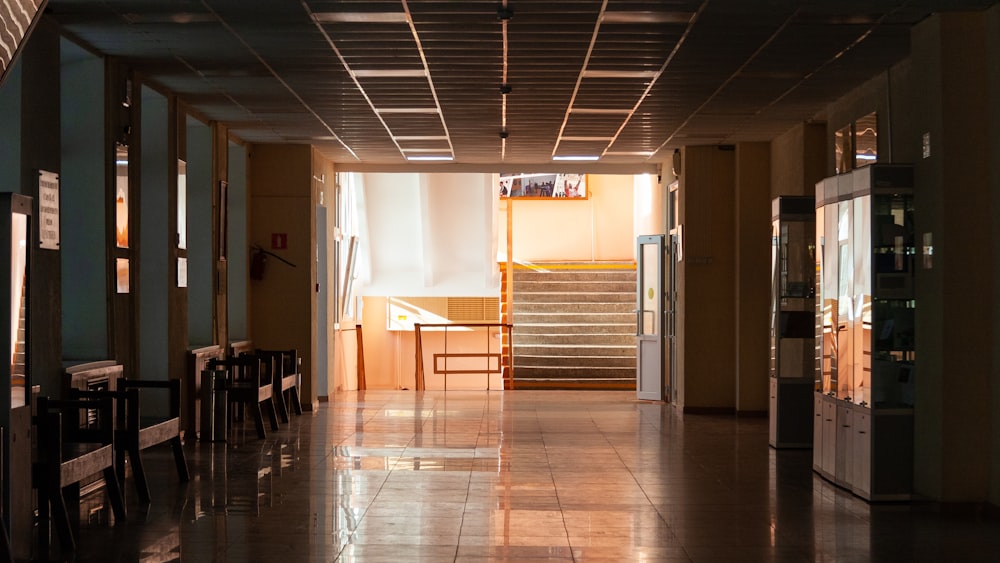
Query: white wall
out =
(434, 235)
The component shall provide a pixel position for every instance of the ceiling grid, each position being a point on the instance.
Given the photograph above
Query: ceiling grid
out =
(502, 83)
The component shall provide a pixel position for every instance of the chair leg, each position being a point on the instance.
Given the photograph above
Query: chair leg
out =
(179, 459)
(71, 498)
(293, 393)
(272, 413)
(120, 451)
(279, 398)
(44, 520)
(115, 494)
(258, 420)
(60, 519)
(139, 474)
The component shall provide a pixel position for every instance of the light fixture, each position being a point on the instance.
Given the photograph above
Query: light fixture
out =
(390, 73)
(504, 12)
(504, 134)
(430, 158)
(506, 88)
(406, 110)
(620, 74)
(359, 17)
(582, 157)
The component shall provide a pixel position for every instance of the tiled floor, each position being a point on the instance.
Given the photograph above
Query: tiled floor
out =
(527, 475)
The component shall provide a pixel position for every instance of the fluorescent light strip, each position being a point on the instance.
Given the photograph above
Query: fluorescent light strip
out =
(429, 158)
(619, 74)
(586, 158)
(585, 138)
(630, 153)
(647, 17)
(599, 111)
(406, 110)
(359, 17)
(390, 73)
(421, 138)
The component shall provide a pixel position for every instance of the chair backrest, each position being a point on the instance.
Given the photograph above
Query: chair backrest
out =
(286, 361)
(100, 429)
(242, 369)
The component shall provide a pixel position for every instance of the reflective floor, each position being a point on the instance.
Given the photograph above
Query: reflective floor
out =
(526, 475)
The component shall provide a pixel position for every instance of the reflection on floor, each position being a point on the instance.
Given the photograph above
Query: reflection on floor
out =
(556, 475)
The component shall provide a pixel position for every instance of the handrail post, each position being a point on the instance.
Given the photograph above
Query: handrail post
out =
(362, 382)
(418, 374)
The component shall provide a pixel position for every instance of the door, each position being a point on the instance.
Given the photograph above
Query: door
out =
(650, 316)
(671, 256)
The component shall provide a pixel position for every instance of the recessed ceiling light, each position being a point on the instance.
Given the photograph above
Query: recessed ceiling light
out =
(630, 153)
(430, 158)
(598, 111)
(601, 139)
(619, 74)
(421, 138)
(390, 73)
(587, 157)
(407, 110)
(646, 17)
(359, 17)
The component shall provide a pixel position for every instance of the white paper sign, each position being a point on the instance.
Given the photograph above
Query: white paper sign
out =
(182, 272)
(48, 210)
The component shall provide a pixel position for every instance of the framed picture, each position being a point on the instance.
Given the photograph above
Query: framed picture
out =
(543, 186)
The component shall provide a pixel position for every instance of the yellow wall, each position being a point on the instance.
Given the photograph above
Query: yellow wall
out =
(753, 287)
(599, 228)
(705, 275)
(282, 305)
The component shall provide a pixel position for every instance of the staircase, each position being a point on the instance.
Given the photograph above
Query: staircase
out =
(574, 326)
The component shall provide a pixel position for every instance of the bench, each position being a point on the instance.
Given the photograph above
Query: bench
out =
(282, 367)
(246, 388)
(191, 392)
(67, 453)
(238, 347)
(135, 431)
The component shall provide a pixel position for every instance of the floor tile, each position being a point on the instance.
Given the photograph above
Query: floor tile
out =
(512, 476)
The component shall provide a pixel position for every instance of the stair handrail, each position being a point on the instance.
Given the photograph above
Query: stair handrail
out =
(418, 375)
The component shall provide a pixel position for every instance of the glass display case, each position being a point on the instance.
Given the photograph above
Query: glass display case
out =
(863, 415)
(792, 321)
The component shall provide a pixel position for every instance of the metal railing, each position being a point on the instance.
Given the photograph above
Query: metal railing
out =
(494, 361)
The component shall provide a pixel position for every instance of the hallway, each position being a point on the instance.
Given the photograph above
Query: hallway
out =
(519, 475)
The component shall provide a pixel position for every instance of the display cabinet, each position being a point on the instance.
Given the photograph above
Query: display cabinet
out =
(863, 410)
(792, 321)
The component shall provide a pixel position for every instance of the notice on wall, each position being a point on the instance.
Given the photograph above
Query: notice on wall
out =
(48, 210)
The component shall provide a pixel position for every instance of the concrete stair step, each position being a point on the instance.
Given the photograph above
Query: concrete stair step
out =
(576, 275)
(528, 360)
(575, 384)
(574, 328)
(574, 339)
(574, 350)
(562, 312)
(567, 328)
(574, 372)
(619, 286)
(527, 298)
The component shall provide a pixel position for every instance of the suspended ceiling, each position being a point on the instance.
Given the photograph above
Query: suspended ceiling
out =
(516, 82)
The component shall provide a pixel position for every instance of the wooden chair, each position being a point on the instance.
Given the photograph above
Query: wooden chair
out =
(68, 453)
(247, 388)
(135, 431)
(283, 366)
